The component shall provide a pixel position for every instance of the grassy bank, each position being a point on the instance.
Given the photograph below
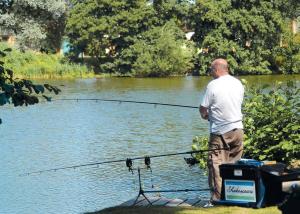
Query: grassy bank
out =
(30, 64)
(187, 210)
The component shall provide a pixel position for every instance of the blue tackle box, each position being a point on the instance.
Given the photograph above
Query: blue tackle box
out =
(242, 184)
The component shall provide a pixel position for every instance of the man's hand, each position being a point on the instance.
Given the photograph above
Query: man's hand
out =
(203, 112)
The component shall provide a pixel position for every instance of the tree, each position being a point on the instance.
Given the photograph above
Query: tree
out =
(161, 51)
(289, 8)
(104, 28)
(36, 23)
(286, 58)
(20, 91)
(5, 6)
(108, 30)
(183, 11)
(243, 31)
(178, 10)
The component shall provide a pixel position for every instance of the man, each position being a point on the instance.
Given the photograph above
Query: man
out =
(221, 106)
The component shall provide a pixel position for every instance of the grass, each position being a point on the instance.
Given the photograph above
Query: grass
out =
(31, 64)
(188, 210)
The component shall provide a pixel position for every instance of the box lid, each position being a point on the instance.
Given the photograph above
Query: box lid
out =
(253, 162)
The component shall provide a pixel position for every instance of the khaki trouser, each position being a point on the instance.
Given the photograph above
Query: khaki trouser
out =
(232, 140)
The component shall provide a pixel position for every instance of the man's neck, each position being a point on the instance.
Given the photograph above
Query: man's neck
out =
(221, 75)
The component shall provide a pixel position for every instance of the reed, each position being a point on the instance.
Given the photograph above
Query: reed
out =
(31, 64)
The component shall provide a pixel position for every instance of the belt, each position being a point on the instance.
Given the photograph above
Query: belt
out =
(232, 130)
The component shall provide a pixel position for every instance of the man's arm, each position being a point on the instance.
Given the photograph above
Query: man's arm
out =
(203, 112)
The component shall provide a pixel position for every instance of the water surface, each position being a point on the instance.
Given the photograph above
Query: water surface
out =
(63, 133)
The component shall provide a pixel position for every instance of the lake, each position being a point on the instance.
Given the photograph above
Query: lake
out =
(66, 133)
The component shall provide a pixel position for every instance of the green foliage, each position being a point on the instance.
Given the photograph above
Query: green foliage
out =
(118, 33)
(201, 143)
(121, 35)
(288, 8)
(244, 32)
(31, 64)
(161, 51)
(271, 124)
(103, 29)
(177, 10)
(36, 23)
(287, 57)
(19, 92)
(5, 5)
(248, 33)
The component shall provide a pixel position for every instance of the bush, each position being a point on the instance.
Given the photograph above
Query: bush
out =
(271, 124)
(161, 51)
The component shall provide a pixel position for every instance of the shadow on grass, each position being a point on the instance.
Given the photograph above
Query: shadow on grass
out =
(187, 210)
(142, 210)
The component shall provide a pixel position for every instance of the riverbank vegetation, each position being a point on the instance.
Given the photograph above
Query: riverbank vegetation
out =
(271, 124)
(156, 38)
(31, 64)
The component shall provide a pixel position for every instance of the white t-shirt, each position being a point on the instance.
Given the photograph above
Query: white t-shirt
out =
(223, 98)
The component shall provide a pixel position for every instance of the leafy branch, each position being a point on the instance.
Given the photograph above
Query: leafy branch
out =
(20, 92)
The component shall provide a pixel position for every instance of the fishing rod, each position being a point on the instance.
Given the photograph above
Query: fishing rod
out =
(124, 101)
(132, 101)
(128, 101)
(129, 161)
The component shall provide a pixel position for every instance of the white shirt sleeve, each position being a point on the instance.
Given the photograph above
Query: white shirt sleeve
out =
(206, 101)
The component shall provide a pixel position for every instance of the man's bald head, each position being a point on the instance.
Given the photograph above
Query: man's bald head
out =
(220, 64)
(219, 67)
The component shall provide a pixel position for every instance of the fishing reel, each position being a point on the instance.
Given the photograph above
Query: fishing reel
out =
(129, 164)
(191, 161)
(148, 162)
